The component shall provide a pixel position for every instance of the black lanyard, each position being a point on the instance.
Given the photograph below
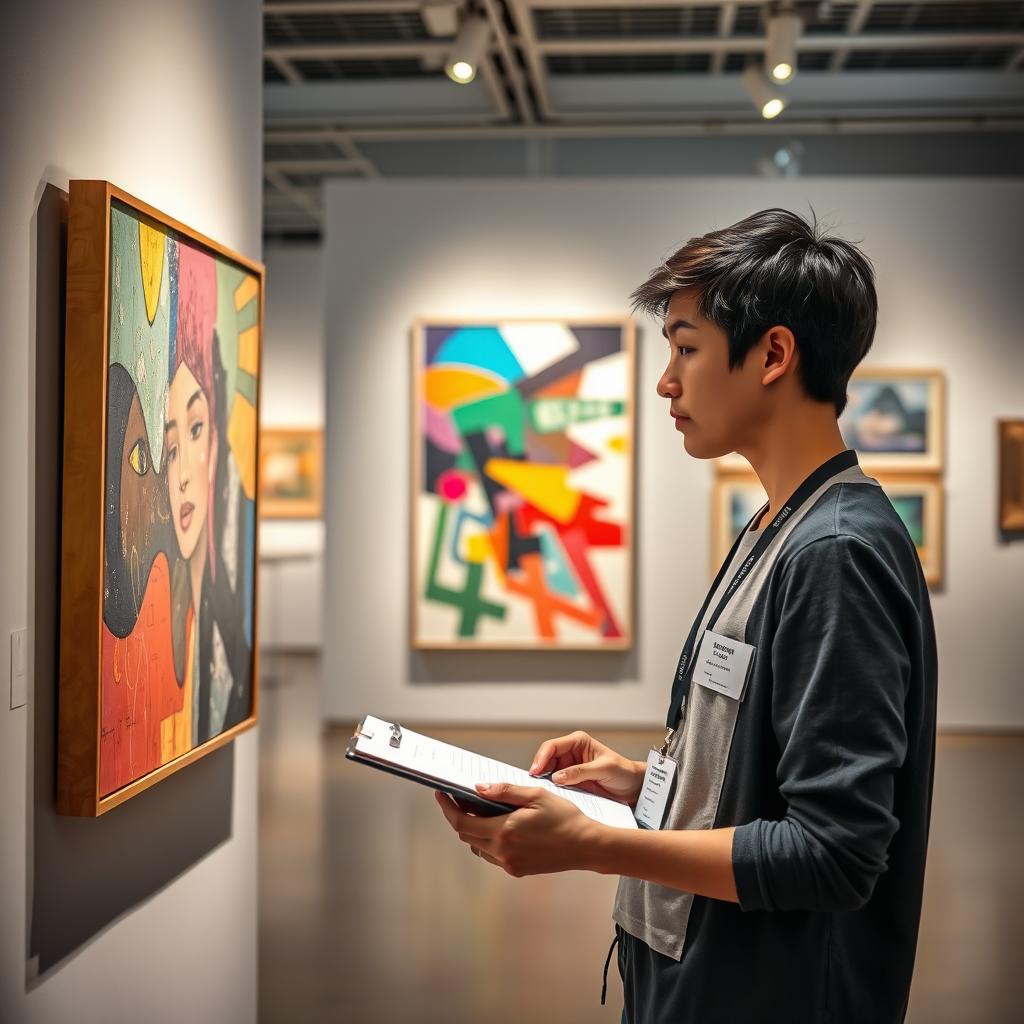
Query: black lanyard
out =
(681, 684)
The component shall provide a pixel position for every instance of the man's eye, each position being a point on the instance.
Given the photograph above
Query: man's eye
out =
(196, 429)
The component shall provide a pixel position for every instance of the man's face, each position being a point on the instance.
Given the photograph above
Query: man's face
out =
(714, 408)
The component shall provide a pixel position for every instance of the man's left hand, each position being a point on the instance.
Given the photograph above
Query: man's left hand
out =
(545, 833)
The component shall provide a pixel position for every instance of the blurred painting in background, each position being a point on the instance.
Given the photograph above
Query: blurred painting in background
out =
(893, 418)
(291, 473)
(1011, 476)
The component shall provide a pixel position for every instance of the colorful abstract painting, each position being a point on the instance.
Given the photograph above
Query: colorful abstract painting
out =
(522, 485)
(180, 513)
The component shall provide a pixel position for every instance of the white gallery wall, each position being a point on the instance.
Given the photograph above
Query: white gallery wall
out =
(946, 254)
(291, 550)
(149, 912)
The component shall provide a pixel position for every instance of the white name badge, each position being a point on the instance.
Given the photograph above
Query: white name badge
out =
(657, 788)
(723, 664)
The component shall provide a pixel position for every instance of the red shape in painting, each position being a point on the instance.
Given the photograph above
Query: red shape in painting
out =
(451, 485)
(139, 689)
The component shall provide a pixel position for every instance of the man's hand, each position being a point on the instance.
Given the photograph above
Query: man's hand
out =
(545, 834)
(581, 761)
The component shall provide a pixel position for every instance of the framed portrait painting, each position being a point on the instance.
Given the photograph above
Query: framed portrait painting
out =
(522, 484)
(291, 473)
(1011, 476)
(158, 646)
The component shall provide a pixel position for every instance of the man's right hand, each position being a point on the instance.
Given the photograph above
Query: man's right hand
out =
(581, 761)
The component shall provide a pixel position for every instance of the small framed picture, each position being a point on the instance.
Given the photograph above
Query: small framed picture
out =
(291, 473)
(734, 501)
(919, 502)
(893, 418)
(1011, 476)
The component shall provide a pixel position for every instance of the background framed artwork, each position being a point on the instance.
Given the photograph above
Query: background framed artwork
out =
(291, 473)
(158, 646)
(1011, 476)
(919, 501)
(893, 418)
(734, 500)
(522, 484)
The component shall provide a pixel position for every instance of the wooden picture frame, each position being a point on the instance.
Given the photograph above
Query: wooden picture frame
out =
(920, 503)
(735, 497)
(148, 299)
(917, 499)
(906, 431)
(594, 610)
(1011, 475)
(291, 473)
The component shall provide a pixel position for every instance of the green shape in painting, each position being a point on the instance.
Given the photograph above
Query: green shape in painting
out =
(554, 415)
(140, 347)
(506, 411)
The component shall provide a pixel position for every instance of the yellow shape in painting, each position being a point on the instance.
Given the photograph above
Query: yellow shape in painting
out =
(246, 291)
(544, 487)
(249, 350)
(619, 444)
(151, 259)
(242, 438)
(478, 547)
(445, 386)
(176, 728)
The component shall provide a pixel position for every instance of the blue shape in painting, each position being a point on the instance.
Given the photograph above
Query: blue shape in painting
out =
(466, 517)
(556, 569)
(483, 347)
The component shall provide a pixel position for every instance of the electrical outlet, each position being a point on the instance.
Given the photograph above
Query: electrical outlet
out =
(19, 673)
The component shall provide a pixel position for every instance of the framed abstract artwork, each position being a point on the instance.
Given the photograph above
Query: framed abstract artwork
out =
(1011, 476)
(734, 500)
(291, 473)
(158, 646)
(893, 418)
(522, 484)
(919, 502)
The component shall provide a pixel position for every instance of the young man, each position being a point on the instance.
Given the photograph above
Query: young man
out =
(783, 881)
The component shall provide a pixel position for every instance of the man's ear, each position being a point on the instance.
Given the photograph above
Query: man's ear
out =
(780, 354)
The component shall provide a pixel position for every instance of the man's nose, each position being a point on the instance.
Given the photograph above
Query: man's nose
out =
(668, 387)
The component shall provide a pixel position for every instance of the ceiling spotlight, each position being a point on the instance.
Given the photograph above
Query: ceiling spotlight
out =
(784, 29)
(766, 98)
(468, 50)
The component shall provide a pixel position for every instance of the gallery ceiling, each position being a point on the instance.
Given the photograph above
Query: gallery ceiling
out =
(358, 88)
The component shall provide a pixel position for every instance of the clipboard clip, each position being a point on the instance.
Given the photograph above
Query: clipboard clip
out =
(396, 736)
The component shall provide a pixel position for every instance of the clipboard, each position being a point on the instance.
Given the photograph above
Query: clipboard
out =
(467, 799)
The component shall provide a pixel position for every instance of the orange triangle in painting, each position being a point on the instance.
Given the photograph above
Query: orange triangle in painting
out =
(564, 387)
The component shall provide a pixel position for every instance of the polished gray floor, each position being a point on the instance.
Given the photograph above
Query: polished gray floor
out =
(371, 909)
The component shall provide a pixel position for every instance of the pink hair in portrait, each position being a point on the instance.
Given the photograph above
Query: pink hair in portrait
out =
(191, 376)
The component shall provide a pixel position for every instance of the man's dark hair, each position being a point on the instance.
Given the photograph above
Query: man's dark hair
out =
(774, 268)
